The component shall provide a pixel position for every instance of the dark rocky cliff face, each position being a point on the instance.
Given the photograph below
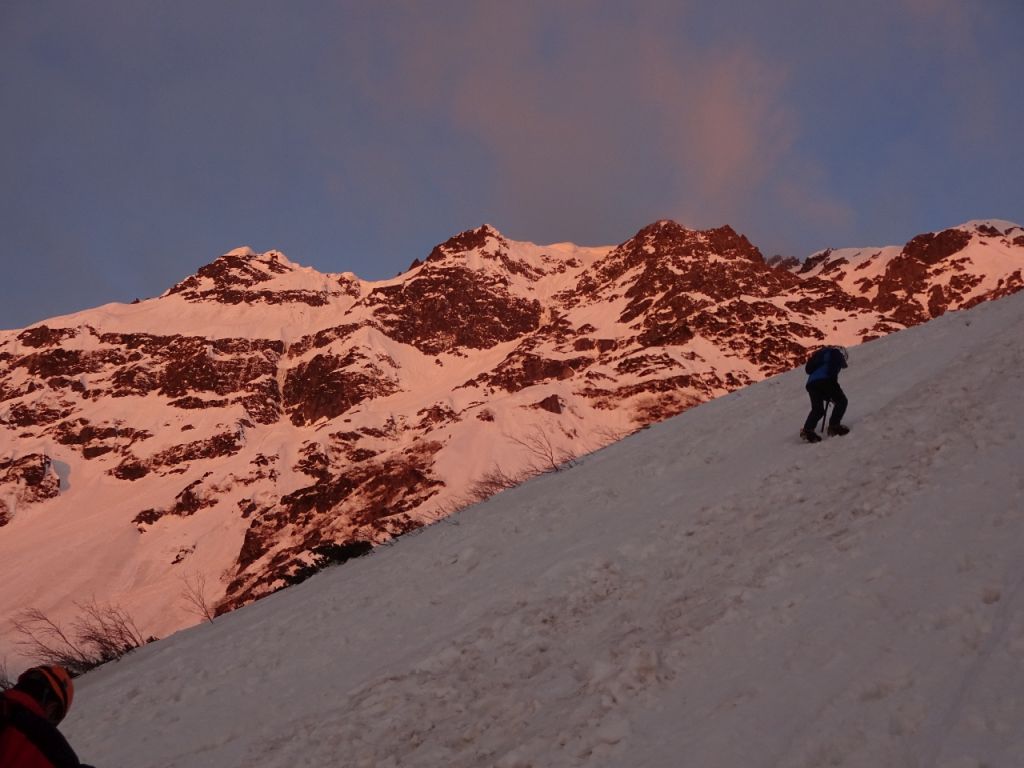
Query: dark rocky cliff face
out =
(450, 308)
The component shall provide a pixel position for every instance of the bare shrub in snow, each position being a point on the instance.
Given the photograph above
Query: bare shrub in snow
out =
(542, 448)
(547, 457)
(101, 633)
(607, 435)
(196, 598)
(495, 481)
(329, 554)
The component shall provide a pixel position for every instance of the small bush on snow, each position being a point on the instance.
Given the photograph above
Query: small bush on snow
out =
(328, 554)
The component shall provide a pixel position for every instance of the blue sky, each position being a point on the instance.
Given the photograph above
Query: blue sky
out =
(139, 140)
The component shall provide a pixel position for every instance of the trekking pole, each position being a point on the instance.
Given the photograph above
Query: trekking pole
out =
(824, 418)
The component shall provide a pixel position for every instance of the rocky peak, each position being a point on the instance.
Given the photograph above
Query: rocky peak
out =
(663, 235)
(670, 236)
(481, 255)
(931, 248)
(995, 228)
(666, 256)
(245, 276)
(783, 262)
(239, 268)
(726, 242)
(459, 298)
(484, 239)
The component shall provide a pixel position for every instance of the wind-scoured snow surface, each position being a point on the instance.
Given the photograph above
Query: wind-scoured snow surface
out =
(708, 592)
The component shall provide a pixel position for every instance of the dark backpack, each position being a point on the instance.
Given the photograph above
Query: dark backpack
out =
(815, 361)
(44, 736)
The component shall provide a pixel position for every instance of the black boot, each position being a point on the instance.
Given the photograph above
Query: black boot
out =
(837, 429)
(810, 436)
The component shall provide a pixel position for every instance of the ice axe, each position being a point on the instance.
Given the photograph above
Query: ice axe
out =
(824, 418)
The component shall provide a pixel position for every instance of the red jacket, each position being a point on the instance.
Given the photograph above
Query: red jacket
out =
(27, 738)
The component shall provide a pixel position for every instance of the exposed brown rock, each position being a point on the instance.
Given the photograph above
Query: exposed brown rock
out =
(44, 336)
(263, 406)
(26, 479)
(551, 403)
(646, 364)
(93, 451)
(8, 392)
(779, 261)
(326, 386)
(905, 277)
(67, 362)
(932, 248)
(816, 260)
(435, 416)
(96, 440)
(314, 462)
(193, 403)
(223, 444)
(31, 469)
(584, 344)
(522, 369)
(130, 469)
(35, 414)
(1012, 283)
(188, 501)
(231, 278)
(473, 239)
(195, 365)
(447, 308)
(322, 339)
(134, 380)
(57, 383)
(376, 498)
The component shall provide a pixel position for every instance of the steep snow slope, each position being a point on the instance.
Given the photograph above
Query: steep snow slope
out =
(708, 592)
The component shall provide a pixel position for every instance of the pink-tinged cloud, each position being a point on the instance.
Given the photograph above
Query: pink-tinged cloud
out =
(574, 113)
(728, 127)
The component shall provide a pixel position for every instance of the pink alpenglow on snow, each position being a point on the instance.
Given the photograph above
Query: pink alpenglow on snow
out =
(259, 410)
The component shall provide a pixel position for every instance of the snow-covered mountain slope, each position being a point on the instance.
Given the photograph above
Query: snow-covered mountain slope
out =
(260, 409)
(707, 592)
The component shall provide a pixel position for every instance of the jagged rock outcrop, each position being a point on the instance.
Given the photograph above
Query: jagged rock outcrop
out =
(28, 479)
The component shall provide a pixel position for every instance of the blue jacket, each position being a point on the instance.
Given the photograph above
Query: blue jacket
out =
(831, 363)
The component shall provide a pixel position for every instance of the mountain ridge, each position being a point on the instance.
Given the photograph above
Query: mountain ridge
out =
(258, 408)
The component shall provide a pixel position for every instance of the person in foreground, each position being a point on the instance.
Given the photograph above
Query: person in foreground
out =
(29, 715)
(823, 386)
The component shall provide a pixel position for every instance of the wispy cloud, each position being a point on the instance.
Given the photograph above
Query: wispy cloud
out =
(578, 112)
